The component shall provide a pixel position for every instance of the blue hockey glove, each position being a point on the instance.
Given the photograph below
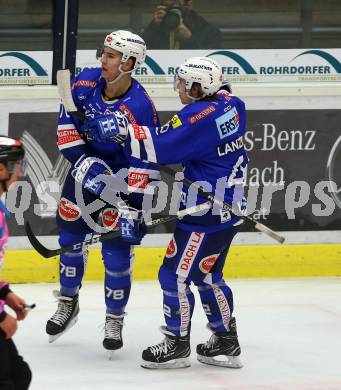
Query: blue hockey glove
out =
(131, 225)
(88, 171)
(107, 127)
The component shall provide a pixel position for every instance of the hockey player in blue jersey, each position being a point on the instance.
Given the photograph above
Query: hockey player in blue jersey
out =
(97, 92)
(206, 137)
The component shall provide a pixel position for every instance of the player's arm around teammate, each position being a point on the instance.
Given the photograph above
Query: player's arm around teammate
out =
(206, 137)
(97, 93)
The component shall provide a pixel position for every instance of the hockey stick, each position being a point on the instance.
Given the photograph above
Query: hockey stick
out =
(64, 91)
(47, 253)
(63, 80)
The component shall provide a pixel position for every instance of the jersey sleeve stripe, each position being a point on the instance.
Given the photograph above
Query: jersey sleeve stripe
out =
(135, 144)
(66, 126)
(149, 145)
(70, 144)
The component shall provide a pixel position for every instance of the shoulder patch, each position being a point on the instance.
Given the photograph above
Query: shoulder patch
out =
(176, 122)
(124, 108)
(84, 83)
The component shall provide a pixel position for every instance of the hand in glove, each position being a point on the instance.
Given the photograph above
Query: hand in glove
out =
(105, 128)
(131, 224)
(89, 172)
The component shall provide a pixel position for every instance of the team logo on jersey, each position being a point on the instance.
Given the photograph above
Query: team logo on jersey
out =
(176, 122)
(68, 210)
(206, 264)
(228, 123)
(201, 115)
(110, 218)
(172, 249)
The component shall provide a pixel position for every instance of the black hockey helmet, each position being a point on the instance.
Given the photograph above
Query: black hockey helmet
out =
(11, 151)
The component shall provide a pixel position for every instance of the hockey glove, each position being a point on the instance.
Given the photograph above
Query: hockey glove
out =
(89, 172)
(105, 128)
(132, 227)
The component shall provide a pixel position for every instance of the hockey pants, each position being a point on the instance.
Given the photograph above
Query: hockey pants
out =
(196, 257)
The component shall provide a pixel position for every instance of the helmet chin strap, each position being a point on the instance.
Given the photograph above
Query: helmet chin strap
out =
(194, 99)
(122, 73)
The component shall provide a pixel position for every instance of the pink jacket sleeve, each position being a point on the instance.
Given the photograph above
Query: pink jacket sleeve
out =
(4, 286)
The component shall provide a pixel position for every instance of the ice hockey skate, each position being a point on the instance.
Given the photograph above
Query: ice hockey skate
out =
(222, 349)
(172, 352)
(64, 318)
(113, 333)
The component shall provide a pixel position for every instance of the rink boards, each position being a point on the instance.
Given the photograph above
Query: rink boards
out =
(244, 261)
(305, 253)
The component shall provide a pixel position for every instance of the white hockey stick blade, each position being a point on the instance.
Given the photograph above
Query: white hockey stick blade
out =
(262, 228)
(64, 89)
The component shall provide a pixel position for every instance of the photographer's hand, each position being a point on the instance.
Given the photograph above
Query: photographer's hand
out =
(183, 32)
(17, 304)
(159, 14)
(9, 326)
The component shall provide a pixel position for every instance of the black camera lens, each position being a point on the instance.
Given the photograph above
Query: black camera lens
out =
(172, 18)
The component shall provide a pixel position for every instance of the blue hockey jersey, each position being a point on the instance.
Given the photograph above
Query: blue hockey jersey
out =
(87, 95)
(207, 138)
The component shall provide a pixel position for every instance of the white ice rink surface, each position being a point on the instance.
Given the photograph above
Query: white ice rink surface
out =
(289, 331)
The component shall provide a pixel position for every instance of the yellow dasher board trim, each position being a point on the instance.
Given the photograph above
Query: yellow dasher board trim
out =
(258, 261)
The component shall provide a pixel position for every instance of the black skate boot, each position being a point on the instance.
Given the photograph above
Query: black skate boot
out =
(172, 352)
(64, 318)
(222, 349)
(113, 332)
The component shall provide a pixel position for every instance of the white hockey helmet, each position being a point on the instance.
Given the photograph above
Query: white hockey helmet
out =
(202, 70)
(129, 44)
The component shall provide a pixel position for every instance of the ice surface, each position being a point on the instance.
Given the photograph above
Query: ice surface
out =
(289, 331)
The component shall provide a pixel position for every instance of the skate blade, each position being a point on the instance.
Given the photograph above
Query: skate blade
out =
(175, 363)
(110, 354)
(229, 361)
(54, 337)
